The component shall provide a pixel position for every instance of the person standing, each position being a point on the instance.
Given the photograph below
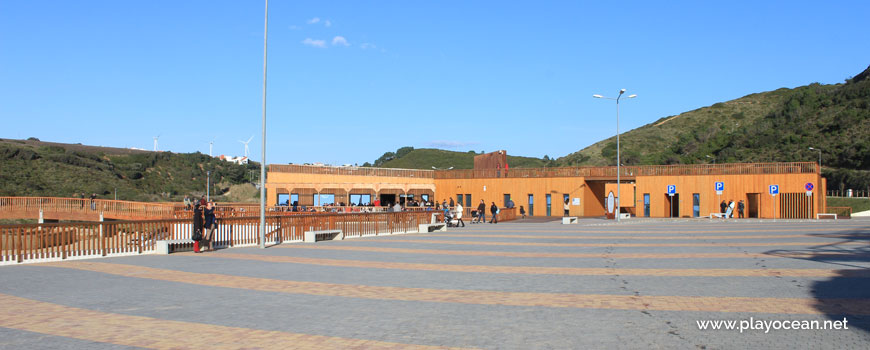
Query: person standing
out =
(459, 214)
(523, 211)
(197, 227)
(566, 207)
(730, 209)
(481, 211)
(452, 204)
(187, 203)
(210, 225)
(93, 203)
(82, 200)
(722, 207)
(494, 211)
(740, 207)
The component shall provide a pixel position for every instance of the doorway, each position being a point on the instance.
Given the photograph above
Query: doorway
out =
(673, 205)
(696, 205)
(531, 205)
(388, 199)
(646, 205)
(752, 204)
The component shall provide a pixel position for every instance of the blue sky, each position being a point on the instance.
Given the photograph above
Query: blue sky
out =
(350, 80)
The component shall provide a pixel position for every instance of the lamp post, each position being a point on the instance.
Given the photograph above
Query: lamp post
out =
(820, 157)
(713, 158)
(208, 185)
(263, 161)
(622, 91)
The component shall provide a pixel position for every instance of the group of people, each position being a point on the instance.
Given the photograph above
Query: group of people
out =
(82, 197)
(728, 209)
(204, 225)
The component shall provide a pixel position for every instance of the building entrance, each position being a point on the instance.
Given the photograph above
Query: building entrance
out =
(673, 205)
(752, 204)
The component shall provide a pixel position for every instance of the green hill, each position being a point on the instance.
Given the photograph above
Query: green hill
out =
(34, 168)
(426, 158)
(775, 126)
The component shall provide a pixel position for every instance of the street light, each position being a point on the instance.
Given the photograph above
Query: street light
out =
(713, 158)
(434, 168)
(263, 161)
(820, 156)
(622, 91)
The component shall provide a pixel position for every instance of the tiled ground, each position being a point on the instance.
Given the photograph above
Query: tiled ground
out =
(639, 284)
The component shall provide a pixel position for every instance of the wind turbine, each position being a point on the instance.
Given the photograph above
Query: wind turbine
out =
(155, 142)
(246, 145)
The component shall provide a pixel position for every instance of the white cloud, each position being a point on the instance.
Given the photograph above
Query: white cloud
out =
(365, 46)
(328, 23)
(294, 27)
(450, 144)
(314, 43)
(340, 40)
(314, 20)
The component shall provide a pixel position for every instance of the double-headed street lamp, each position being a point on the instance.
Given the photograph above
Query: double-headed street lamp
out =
(713, 158)
(618, 210)
(820, 157)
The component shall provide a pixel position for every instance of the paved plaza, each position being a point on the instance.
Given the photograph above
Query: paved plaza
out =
(514, 285)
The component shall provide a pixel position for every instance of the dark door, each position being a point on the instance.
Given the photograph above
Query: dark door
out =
(388, 199)
(459, 199)
(468, 200)
(673, 205)
(507, 198)
(531, 205)
(752, 204)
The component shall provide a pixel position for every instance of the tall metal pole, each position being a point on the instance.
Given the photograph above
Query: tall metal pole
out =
(263, 161)
(208, 185)
(618, 194)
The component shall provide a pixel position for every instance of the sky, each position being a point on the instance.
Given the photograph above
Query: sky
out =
(350, 80)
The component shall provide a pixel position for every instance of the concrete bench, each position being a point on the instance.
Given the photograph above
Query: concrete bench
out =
(718, 215)
(566, 220)
(436, 227)
(826, 215)
(625, 216)
(173, 245)
(311, 236)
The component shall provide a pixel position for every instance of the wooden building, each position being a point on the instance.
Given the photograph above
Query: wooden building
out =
(544, 191)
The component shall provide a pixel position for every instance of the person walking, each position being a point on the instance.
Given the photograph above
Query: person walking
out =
(481, 211)
(740, 207)
(523, 212)
(730, 209)
(494, 211)
(459, 214)
(197, 227)
(722, 207)
(210, 225)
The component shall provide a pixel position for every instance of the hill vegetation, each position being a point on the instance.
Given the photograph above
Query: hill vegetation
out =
(426, 158)
(34, 168)
(775, 126)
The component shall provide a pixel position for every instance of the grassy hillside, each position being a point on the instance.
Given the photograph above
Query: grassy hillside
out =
(775, 126)
(857, 204)
(426, 158)
(33, 168)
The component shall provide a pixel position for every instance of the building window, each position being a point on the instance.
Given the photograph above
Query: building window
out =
(360, 199)
(324, 199)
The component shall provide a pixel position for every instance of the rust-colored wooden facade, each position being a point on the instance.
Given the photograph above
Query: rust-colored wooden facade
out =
(542, 191)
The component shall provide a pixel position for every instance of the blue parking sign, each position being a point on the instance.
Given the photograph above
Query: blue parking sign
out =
(672, 189)
(720, 186)
(774, 190)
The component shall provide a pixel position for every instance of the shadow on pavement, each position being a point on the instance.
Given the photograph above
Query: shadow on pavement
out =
(852, 292)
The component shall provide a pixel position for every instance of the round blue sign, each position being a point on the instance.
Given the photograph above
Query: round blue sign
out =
(809, 186)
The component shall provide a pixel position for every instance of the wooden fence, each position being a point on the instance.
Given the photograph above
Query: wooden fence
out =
(46, 242)
(630, 171)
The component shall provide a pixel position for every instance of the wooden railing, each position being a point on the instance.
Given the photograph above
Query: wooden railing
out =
(39, 242)
(631, 171)
(81, 209)
(359, 171)
(849, 194)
